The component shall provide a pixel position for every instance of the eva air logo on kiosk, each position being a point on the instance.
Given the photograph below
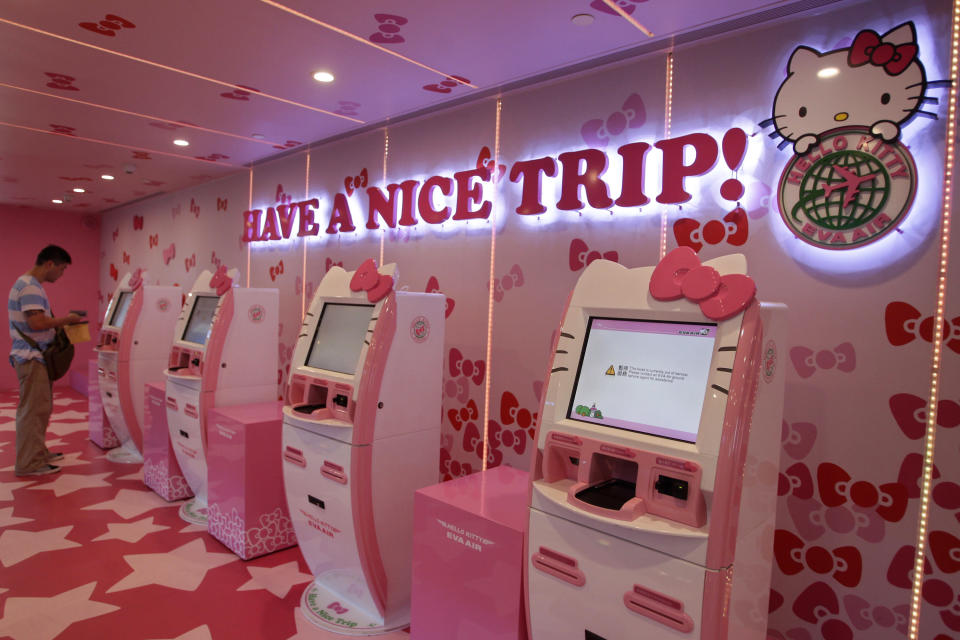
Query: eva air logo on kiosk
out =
(848, 191)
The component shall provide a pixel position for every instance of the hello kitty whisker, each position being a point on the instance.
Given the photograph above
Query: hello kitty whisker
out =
(786, 142)
(926, 114)
(932, 83)
(929, 100)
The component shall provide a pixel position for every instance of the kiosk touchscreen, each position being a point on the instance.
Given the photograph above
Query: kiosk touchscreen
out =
(224, 353)
(361, 433)
(653, 491)
(132, 351)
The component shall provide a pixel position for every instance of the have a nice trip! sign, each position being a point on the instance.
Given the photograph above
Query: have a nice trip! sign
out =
(459, 197)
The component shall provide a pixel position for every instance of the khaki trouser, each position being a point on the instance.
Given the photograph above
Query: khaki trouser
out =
(33, 415)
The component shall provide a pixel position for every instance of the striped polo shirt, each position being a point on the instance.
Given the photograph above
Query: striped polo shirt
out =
(27, 295)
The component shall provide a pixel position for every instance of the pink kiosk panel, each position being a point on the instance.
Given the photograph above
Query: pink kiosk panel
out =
(161, 471)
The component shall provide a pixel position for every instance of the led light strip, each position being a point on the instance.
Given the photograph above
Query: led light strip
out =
(668, 115)
(347, 34)
(937, 338)
(140, 115)
(626, 16)
(182, 72)
(303, 281)
(249, 208)
(117, 144)
(386, 152)
(493, 260)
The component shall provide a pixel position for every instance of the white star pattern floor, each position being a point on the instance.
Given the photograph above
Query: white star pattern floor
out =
(92, 553)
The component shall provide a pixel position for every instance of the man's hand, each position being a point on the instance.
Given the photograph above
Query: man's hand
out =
(72, 318)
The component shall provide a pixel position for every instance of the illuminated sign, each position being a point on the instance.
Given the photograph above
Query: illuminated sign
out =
(460, 196)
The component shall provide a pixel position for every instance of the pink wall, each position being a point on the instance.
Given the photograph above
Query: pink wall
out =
(26, 232)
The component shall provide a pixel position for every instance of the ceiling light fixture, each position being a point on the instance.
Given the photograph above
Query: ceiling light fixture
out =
(106, 176)
(323, 76)
(257, 136)
(79, 190)
(57, 201)
(582, 19)
(180, 142)
(828, 72)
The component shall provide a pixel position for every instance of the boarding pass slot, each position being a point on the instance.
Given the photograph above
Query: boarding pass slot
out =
(658, 607)
(172, 403)
(334, 472)
(294, 456)
(190, 411)
(559, 566)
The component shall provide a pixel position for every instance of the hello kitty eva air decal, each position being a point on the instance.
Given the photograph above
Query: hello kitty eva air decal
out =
(850, 181)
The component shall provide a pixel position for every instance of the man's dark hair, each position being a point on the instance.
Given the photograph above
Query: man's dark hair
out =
(52, 252)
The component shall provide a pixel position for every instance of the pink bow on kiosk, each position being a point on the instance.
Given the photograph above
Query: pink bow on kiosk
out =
(368, 279)
(680, 275)
(221, 282)
(136, 279)
(869, 48)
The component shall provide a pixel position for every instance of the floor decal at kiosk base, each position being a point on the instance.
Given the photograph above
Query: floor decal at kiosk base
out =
(122, 455)
(329, 611)
(193, 513)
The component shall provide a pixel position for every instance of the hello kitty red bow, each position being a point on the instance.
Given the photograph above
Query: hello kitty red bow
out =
(868, 47)
(680, 275)
(366, 278)
(221, 282)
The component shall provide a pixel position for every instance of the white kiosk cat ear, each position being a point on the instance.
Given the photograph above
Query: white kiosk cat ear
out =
(802, 58)
(905, 33)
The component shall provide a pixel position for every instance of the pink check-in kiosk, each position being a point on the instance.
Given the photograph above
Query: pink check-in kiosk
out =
(224, 353)
(361, 433)
(133, 348)
(653, 489)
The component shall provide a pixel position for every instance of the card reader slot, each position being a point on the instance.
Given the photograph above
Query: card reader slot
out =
(559, 566)
(658, 607)
(334, 472)
(294, 456)
(191, 411)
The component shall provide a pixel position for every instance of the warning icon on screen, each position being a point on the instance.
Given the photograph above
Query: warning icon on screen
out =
(611, 371)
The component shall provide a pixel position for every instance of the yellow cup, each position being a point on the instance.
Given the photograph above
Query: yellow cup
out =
(78, 332)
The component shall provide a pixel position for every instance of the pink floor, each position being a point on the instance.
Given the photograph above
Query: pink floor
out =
(91, 552)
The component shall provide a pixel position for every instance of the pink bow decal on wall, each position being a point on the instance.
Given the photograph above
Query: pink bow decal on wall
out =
(889, 499)
(581, 255)
(864, 614)
(843, 357)
(869, 48)
(680, 274)
(845, 564)
(221, 282)
(368, 279)
(460, 366)
(734, 228)
(904, 325)
(910, 412)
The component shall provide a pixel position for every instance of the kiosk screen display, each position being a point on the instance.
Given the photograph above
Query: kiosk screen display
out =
(120, 311)
(339, 338)
(645, 376)
(201, 319)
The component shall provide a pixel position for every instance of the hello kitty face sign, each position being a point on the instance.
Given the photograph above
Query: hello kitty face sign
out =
(850, 181)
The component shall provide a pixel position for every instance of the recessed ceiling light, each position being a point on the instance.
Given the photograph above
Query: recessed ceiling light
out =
(180, 142)
(106, 176)
(323, 76)
(258, 136)
(828, 72)
(57, 201)
(79, 190)
(582, 19)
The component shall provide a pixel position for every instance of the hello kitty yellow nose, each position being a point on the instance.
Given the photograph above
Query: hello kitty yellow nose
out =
(840, 117)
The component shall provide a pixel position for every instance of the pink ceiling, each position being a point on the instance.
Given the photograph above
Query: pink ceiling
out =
(98, 87)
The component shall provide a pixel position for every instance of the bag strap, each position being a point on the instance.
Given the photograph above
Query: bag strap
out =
(30, 341)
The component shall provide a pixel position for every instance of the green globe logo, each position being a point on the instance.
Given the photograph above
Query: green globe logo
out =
(825, 196)
(850, 190)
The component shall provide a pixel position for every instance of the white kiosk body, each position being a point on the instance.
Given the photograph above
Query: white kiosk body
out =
(653, 492)
(361, 433)
(224, 353)
(132, 351)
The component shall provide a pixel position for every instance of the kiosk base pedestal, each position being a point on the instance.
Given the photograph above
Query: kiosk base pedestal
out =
(101, 434)
(123, 455)
(328, 610)
(193, 512)
(161, 471)
(247, 509)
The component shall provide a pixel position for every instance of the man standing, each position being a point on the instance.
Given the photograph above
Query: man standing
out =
(29, 312)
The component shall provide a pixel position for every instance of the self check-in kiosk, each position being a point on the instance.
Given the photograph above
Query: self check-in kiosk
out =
(132, 351)
(653, 489)
(361, 433)
(224, 353)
